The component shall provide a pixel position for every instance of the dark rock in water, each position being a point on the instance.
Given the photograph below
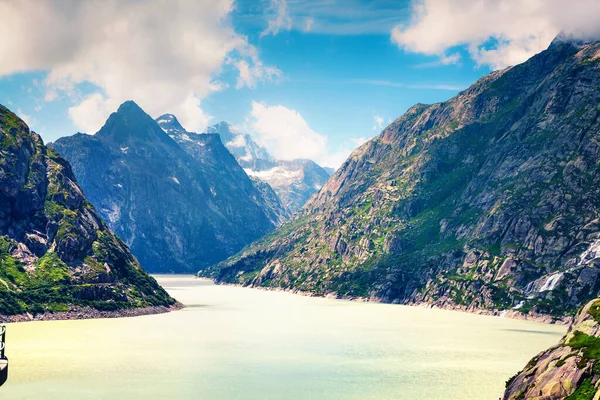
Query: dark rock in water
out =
(488, 201)
(56, 254)
(177, 212)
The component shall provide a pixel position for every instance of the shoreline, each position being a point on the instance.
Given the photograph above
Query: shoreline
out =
(78, 313)
(511, 314)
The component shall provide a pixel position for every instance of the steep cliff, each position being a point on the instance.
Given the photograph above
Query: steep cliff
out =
(220, 156)
(570, 370)
(488, 201)
(56, 254)
(294, 181)
(177, 212)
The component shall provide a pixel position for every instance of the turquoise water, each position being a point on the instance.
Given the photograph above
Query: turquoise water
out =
(239, 343)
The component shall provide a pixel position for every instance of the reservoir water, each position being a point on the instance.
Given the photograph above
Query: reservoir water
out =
(239, 343)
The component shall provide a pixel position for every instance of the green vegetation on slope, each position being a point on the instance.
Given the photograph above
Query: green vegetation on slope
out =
(473, 202)
(55, 252)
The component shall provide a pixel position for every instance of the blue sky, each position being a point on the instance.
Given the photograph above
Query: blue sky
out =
(299, 75)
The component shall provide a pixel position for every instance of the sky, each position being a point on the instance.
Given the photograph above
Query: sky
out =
(307, 78)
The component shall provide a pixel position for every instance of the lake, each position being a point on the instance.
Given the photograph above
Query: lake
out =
(240, 343)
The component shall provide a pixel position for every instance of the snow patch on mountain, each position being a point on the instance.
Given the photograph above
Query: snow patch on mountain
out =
(294, 182)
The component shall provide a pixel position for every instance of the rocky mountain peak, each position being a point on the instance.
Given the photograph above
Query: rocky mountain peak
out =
(223, 128)
(130, 107)
(170, 124)
(575, 39)
(131, 124)
(293, 181)
(180, 201)
(55, 251)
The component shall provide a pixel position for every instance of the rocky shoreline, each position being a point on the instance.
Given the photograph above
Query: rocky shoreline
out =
(512, 314)
(89, 313)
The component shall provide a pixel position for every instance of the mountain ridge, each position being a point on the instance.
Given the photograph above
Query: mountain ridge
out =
(485, 202)
(58, 259)
(294, 181)
(176, 211)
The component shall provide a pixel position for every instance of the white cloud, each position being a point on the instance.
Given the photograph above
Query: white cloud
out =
(250, 74)
(287, 135)
(308, 23)
(27, 118)
(165, 55)
(238, 141)
(377, 122)
(277, 18)
(91, 112)
(442, 60)
(518, 28)
(338, 17)
(423, 86)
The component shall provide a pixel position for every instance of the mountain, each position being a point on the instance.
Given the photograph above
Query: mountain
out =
(570, 370)
(293, 181)
(195, 145)
(56, 254)
(248, 153)
(487, 202)
(178, 213)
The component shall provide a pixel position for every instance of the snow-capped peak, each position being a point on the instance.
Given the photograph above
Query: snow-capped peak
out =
(170, 124)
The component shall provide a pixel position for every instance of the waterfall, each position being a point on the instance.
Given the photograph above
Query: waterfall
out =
(551, 282)
(592, 252)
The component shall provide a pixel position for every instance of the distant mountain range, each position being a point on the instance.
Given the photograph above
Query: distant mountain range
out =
(178, 207)
(489, 201)
(56, 253)
(294, 181)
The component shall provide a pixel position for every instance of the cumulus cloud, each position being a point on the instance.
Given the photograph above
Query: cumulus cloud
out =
(251, 73)
(165, 55)
(496, 33)
(287, 135)
(277, 18)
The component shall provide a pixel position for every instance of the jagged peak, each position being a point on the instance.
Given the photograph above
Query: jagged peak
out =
(170, 124)
(130, 106)
(130, 121)
(222, 127)
(224, 124)
(576, 39)
(167, 117)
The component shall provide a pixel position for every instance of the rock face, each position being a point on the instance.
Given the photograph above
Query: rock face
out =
(570, 370)
(178, 213)
(195, 145)
(488, 201)
(248, 153)
(56, 253)
(294, 181)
